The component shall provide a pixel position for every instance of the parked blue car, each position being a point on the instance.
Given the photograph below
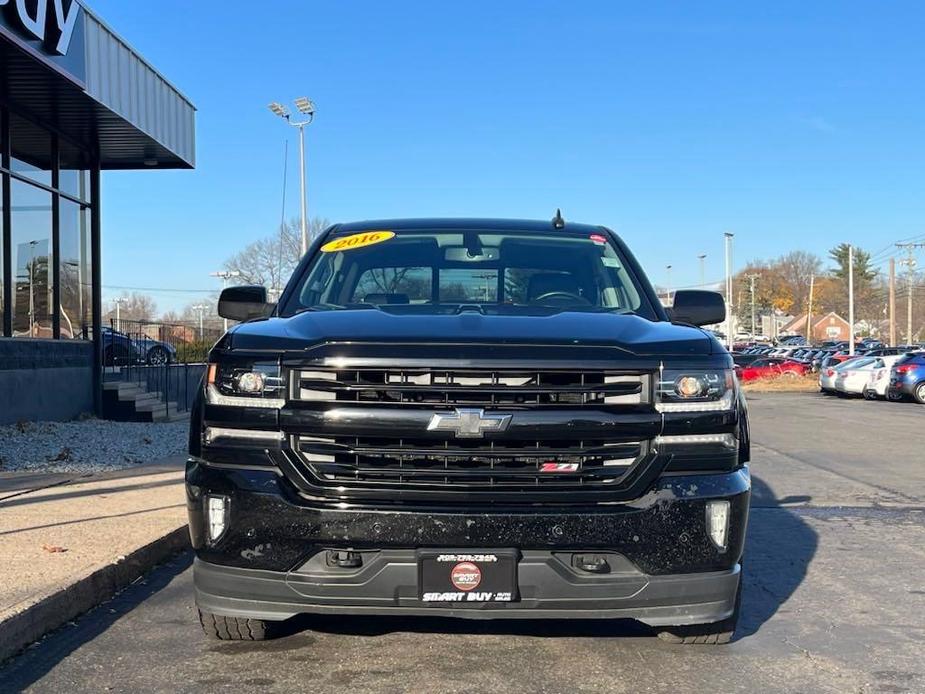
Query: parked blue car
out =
(907, 378)
(121, 349)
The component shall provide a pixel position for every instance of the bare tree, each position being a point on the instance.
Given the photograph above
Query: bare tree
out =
(134, 307)
(795, 269)
(270, 261)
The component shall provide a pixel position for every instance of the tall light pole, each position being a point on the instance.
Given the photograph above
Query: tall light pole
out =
(668, 278)
(200, 308)
(851, 301)
(121, 300)
(224, 275)
(703, 274)
(307, 109)
(727, 237)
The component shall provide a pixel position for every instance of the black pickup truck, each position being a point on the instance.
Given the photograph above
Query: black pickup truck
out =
(474, 418)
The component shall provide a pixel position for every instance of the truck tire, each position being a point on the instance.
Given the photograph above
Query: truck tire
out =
(235, 628)
(716, 633)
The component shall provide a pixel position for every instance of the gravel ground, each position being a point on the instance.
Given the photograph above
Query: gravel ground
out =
(92, 445)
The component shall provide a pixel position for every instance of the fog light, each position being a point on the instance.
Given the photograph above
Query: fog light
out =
(718, 523)
(216, 515)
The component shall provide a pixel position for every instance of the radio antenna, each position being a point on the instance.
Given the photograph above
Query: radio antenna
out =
(558, 222)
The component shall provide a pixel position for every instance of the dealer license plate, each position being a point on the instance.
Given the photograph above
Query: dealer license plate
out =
(467, 577)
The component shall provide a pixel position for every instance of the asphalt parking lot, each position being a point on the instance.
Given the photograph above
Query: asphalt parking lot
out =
(834, 599)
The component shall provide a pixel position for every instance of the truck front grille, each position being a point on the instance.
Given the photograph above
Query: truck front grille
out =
(363, 433)
(476, 466)
(468, 387)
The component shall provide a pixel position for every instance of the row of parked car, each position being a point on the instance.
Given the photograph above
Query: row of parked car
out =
(873, 371)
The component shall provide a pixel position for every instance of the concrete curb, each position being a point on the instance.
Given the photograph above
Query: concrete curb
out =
(58, 608)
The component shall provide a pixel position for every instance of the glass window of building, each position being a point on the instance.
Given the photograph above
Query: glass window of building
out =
(31, 299)
(31, 149)
(74, 270)
(74, 177)
(2, 264)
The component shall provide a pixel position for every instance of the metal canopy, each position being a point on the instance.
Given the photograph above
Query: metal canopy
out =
(114, 103)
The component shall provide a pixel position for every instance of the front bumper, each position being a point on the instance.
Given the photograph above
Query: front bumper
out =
(548, 589)
(665, 570)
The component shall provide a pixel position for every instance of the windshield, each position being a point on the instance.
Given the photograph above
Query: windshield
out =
(504, 272)
(855, 363)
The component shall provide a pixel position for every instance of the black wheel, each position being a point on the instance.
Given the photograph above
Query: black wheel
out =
(919, 393)
(713, 634)
(870, 395)
(158, 355)
(235, 628)
(894, 395)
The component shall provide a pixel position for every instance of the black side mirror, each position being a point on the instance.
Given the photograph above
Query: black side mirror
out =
(244, 303)
(697, 307)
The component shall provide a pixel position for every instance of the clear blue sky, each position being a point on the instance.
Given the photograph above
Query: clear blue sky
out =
(795, 125)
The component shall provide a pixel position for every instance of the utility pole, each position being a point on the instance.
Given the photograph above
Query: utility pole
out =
(728, 236)
(809, 311)
(703, 274)
(892, 302)
(851, 301)
(909, 262)
(751, 279)
(200, 308)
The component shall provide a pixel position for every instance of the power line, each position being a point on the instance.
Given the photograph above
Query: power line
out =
(157, 289)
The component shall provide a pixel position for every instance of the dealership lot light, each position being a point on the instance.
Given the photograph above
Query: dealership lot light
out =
(306, 108)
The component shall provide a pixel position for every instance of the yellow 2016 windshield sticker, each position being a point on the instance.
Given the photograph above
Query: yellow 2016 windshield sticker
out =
(348, 243)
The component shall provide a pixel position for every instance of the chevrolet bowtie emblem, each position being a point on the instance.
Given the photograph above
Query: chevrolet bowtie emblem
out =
(469, 422)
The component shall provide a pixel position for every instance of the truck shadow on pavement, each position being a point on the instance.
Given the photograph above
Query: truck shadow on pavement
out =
(779, 549)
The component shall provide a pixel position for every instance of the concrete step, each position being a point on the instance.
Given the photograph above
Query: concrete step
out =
(120, 386)
(141, 397)
(151, 406)
(173, 415)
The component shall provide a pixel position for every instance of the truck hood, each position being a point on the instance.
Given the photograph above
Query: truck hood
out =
(635, 335)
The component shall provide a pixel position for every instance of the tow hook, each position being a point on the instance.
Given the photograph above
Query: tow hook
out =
(343, 559)
(592, 563)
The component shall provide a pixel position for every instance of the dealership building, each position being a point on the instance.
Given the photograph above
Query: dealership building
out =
(75, 99)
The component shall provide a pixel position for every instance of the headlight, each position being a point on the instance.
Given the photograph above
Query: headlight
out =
(693, 390)
(245, 383)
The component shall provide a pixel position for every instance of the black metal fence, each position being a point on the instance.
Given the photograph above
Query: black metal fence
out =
(167, 359)
(130, 343)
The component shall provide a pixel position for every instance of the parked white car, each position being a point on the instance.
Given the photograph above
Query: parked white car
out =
(827, 375)
(879, 379)
(852, 379)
